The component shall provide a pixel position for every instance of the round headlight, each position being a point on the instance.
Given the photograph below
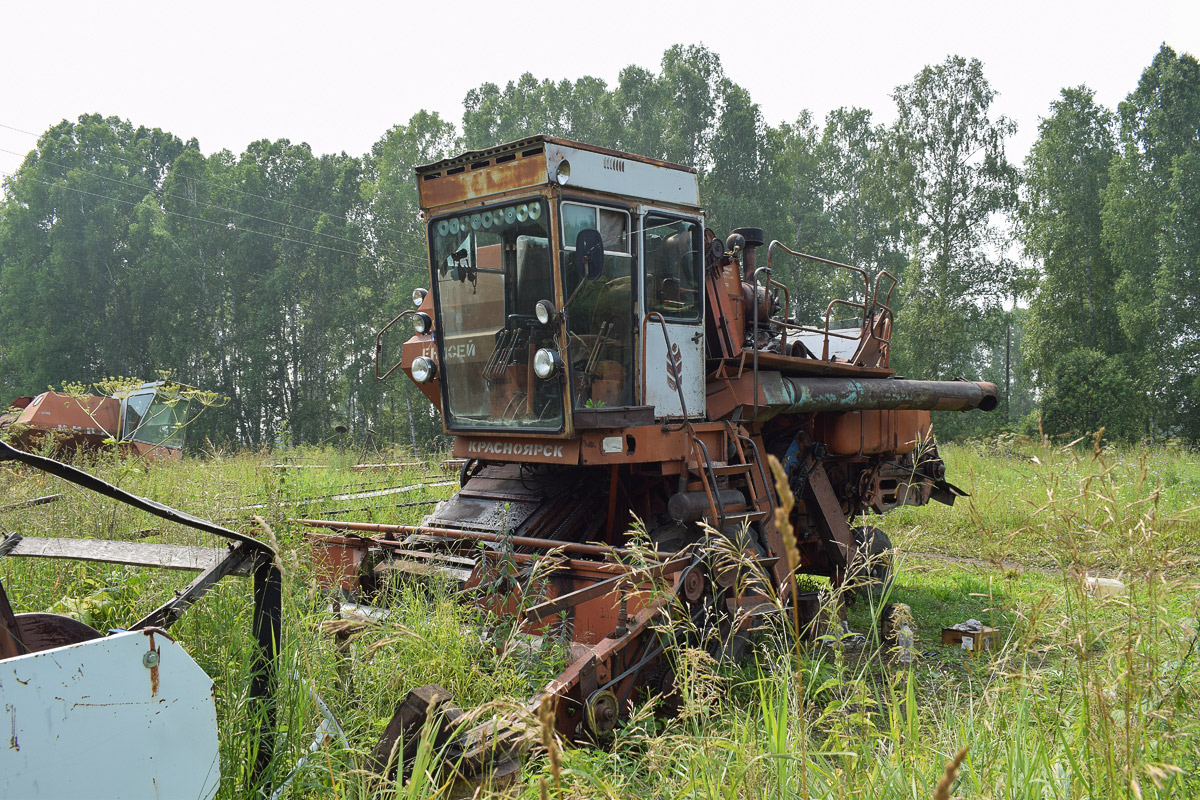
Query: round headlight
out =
(544, 311)
(419, 297)
(423, 369)
(546, 363)
(422, 323)
(563, 173)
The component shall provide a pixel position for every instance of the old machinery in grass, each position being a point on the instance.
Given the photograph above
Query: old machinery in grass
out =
(605, 362)
(125, 713)
(144, 420)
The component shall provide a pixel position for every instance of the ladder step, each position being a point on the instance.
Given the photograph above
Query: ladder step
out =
(745, 516)
(730, 469)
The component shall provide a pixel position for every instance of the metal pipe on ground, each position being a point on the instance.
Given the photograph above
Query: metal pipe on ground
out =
(474, 536)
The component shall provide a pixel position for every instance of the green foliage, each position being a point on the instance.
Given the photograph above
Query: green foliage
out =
(1074, 304)
(1086, 391)
(952, 152)
(1149, 232)
(263, 275)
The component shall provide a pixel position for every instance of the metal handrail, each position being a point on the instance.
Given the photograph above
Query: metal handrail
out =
(868, 305)
(379, 344)
(888, 299)
(866, 278)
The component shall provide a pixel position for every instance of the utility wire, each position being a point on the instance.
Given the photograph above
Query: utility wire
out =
(203, 202)
(76, 145)
(226, 225)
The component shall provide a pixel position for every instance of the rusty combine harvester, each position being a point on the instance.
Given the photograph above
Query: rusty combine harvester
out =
(598, 354)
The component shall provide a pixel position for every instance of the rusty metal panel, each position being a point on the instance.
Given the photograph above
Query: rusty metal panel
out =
(640, 445)
(457, 184)
(130, 715)
(98, 417)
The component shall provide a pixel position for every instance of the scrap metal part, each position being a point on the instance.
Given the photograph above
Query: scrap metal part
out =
(134, 697)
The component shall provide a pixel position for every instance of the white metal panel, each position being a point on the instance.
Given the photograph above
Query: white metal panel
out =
(104, 719)
(687, 346)
(687, 354)
(844, 349)
(624, 176)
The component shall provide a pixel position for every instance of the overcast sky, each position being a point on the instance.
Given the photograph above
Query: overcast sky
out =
(339, 75)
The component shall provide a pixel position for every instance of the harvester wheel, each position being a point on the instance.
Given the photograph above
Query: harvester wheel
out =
(871, 573)
(603, 709)
(469, 469)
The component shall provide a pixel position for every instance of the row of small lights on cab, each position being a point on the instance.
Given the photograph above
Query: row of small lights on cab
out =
(486, 219)
(546, 362)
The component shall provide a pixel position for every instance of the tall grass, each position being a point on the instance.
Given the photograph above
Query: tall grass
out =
(1089, 696)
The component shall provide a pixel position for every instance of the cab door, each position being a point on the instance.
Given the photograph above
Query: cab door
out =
(670, 264)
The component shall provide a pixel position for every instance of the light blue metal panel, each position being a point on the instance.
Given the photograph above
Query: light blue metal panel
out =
(130, 715)
(685, 355)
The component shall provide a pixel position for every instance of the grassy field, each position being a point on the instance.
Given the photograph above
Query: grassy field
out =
(1086, 698)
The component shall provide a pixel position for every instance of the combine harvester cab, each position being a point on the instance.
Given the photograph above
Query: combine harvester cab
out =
(127, 714)
(148, 421)
(600, 357)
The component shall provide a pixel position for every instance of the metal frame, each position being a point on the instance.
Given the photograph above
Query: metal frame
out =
(246, 556)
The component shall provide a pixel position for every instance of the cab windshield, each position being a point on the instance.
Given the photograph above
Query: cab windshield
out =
(492, 266)
(154, 420)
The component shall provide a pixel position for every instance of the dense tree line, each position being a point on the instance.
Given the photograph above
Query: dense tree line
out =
(262, 275)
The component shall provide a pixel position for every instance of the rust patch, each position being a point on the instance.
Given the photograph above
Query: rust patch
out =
(154, 668)
(470, 184)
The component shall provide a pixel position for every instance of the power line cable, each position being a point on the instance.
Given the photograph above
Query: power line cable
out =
(205, 203)
(226, 225)
(76, 145)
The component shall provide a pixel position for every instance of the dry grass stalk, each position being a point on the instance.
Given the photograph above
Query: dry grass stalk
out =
(546, 718)
(783, 523)
(942, 791)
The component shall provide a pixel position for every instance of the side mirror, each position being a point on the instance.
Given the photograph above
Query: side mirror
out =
(589, 254)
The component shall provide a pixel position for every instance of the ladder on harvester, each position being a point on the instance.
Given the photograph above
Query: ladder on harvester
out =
(739, 473)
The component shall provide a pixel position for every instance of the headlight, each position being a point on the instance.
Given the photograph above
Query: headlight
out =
(546, 363)
(422, 323)
(544, 311)
(419, 297)
(423, 369)
(563, 173)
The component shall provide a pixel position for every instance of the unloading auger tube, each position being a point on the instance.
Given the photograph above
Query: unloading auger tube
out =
(787, 395)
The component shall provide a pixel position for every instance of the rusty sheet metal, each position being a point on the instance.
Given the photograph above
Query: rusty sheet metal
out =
(467, 182)
(89, 706)
(95, 418)
(643, 444)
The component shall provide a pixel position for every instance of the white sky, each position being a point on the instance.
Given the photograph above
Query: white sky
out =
(338, 75)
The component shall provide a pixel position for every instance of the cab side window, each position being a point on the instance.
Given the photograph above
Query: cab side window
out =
(673, 261)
